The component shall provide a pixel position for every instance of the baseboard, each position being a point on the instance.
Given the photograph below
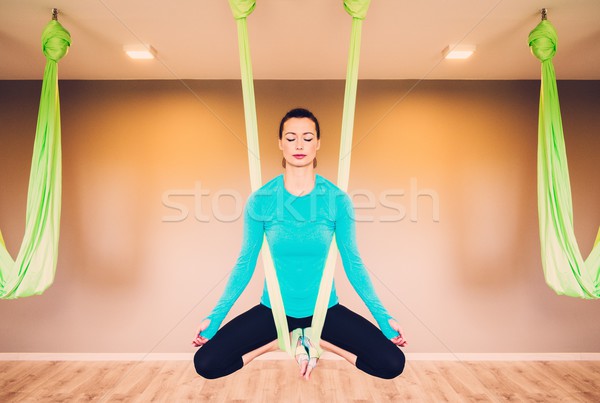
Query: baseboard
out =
(503, 356)
(284, 356)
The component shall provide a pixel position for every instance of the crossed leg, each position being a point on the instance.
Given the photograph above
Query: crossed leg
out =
(249, 356)
(304, 370)
(253, 333)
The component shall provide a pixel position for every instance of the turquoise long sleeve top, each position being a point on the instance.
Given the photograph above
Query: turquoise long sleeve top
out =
(299, 231)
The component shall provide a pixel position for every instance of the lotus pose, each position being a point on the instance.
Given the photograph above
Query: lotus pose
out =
(299, 211)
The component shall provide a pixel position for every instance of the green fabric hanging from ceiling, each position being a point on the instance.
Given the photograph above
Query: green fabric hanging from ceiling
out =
(33, 270)
(242, 9)
(357, 10)
(565, 270)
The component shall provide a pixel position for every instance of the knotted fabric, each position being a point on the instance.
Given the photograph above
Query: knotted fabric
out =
(242, 8)
(565, 270)
(357, 8)
(55, 41)
(33, 270)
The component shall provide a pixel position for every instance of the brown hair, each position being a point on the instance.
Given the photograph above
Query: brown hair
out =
(299, 113)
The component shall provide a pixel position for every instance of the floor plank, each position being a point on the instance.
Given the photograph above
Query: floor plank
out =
(278, 381)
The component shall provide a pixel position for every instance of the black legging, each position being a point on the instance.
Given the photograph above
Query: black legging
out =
(375, 354)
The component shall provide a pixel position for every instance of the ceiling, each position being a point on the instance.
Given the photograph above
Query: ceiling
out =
(300, 39)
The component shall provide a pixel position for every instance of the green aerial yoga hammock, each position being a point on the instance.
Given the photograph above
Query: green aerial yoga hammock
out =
(564, 268)
(357, 10)
(33, 270)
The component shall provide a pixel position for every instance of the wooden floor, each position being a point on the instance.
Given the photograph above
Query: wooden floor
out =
(277, 381)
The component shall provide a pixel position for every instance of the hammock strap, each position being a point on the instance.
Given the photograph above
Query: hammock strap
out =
(565, 270)
(33, 270)
(241, 9)
(343, 179)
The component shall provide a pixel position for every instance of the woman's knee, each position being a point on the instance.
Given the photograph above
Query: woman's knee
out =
(386, 366)
(202, 365)
(209, 366)
(393, 365)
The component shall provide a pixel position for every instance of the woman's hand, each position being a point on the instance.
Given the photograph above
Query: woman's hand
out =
(199, 340)
(398, 340)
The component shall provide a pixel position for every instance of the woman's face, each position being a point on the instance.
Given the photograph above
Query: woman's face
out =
(299, 142)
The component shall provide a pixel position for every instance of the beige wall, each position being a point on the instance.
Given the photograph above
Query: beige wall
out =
(461, 271)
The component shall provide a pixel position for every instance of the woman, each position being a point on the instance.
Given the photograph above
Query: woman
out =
(299, 211)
